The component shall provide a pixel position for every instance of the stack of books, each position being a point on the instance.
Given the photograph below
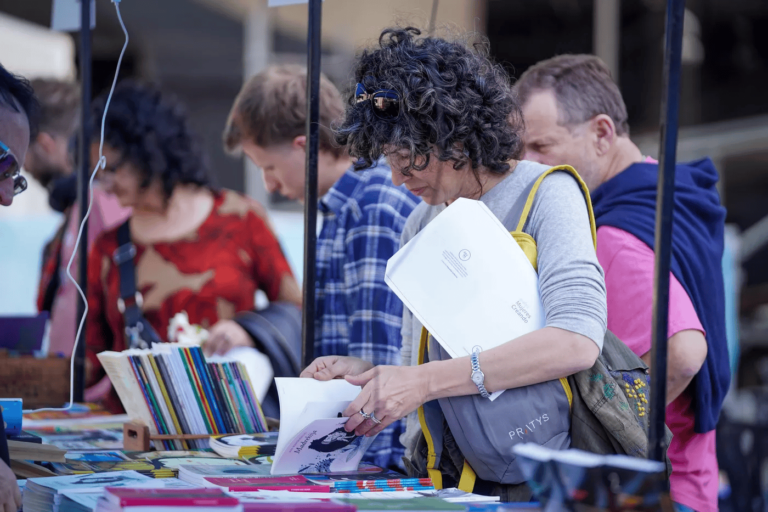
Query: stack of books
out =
(246, 446)
(210, 500)
(173, 390)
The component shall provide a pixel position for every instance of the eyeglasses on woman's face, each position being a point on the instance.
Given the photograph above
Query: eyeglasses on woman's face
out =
(11, 169)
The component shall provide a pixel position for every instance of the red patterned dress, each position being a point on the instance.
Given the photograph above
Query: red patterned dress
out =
(212, 274)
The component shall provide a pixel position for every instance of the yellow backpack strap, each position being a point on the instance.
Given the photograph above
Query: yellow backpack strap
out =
(537, 183)
(432, 471)
(468, 477)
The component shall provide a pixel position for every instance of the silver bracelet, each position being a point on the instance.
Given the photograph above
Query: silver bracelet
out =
(478, 377)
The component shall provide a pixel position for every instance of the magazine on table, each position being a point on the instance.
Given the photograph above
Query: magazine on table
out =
(312, 436)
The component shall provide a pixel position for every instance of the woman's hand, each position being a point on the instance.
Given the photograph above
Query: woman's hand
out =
(335, 367)
(10, 496)
(224, 336)
(390, 392)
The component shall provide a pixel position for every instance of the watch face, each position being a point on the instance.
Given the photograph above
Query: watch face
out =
(477, 377)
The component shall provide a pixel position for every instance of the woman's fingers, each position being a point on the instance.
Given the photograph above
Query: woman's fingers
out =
(320, 368)
(213, 344)
(224, 345)
(385, 422)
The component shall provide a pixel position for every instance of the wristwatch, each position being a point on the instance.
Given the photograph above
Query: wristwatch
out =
(478, 377)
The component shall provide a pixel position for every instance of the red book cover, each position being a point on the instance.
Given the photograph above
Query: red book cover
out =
(289, 488)
(295, 483)
(257, 480)
(169, 497)
(317, 506)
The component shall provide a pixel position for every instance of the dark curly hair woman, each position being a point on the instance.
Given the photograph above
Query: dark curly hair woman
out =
(199, 250)
(444, 116)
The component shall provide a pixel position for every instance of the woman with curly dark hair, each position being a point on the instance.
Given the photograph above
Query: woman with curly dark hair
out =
(445, 118)
(198, 249)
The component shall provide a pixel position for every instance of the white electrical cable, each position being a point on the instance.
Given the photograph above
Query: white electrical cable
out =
(99, 165)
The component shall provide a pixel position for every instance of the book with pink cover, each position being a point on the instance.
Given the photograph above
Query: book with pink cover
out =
(295, 483)
(202, 498)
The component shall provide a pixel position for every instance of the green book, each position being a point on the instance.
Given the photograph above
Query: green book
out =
(415, 504)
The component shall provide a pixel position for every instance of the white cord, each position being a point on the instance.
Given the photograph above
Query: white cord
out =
(99, 165)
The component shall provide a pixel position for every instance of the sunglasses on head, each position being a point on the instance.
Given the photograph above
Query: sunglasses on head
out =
(385, 102)
(10, 169)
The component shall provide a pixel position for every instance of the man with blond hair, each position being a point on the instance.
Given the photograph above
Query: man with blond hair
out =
(575, 114)
(362, 215)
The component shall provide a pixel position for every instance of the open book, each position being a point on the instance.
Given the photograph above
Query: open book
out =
(465, 278)
(312, 437)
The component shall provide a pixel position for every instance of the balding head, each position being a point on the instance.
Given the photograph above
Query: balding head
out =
(18, 117)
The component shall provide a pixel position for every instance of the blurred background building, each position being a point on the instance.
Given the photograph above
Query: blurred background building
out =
(202, 50)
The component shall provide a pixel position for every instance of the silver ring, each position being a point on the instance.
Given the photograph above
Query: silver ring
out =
(365, 414)
(373, 418)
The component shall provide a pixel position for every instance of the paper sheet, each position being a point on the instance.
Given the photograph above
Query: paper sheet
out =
(465, 278)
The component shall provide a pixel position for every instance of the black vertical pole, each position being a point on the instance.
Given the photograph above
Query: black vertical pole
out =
(82, 184)
(310, 189)
(670, 103)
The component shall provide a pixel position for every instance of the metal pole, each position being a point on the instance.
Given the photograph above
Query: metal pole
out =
(82, 183)
(670, 103)
(310, 189)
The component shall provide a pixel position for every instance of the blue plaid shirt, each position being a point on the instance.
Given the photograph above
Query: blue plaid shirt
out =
(357, 314)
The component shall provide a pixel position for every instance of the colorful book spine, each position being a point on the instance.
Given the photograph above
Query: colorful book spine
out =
(146, 396)
(184, 391)
(197, 355)
(169, 402)
(192, 368)
(218, 396)
(247, 388)
(396, 482)
(176, 410)
(238, 425)
(163, 407)
(245, 412)
(181, 357)
(386, 489)
(151, 402)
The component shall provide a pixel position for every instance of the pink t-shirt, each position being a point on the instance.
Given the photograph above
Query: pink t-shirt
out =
(629, 267)
(106, 213)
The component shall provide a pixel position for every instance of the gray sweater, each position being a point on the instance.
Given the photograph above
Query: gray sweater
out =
(571, 280)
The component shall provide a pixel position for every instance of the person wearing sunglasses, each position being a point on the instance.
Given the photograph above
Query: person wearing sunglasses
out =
(18, 123)
(18, 118)
(445, 117)
(362, 215)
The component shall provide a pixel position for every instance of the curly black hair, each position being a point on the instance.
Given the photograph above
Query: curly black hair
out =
(151, 130)
(455, 101)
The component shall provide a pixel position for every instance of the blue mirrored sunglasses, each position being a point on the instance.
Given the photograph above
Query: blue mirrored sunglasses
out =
(385, 102)
(10, 169)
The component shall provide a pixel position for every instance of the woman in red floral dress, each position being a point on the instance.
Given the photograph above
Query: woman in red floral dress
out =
(198, 249)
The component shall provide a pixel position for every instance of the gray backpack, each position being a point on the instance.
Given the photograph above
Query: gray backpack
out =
(606, 414)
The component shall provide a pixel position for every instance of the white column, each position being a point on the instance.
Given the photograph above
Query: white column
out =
(605, 35)
(257, 47)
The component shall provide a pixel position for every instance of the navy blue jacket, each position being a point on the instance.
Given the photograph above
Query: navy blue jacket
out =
(628, 202)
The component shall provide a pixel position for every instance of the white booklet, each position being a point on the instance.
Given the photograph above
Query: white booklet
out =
(312, 438)
(465, 278)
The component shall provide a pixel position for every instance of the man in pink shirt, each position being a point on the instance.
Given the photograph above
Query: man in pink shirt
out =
(50, 161)
(574, 114)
